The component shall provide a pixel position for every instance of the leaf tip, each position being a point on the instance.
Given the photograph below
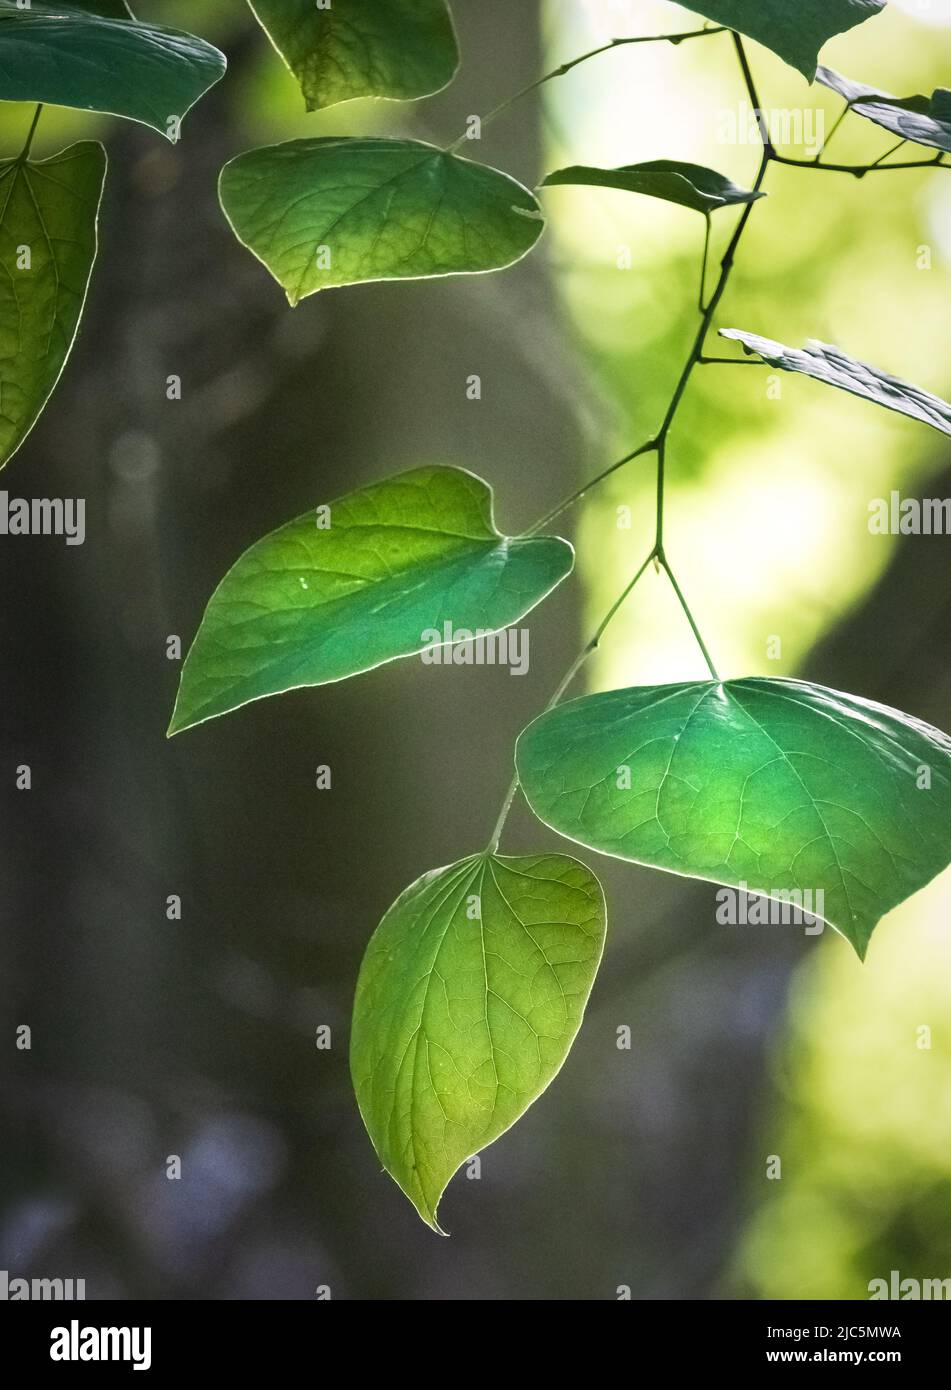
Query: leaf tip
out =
(432, 1223)
(425, 1210)
(177, 724)
(860, 945)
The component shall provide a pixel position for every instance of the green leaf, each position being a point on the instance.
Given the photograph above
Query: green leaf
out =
(924, 120)
(339, 211)
(690, 185)
(307, 605)
(833, 367)
(48, 212)
(62, 56)
(470, 995)
(400, 49)
(794, 29)
(776, 784)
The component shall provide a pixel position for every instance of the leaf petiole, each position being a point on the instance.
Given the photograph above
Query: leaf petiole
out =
(703, 263)
(588, 650)
(835, 127)
(563, 506)
(25, 152)
(690, 618)
(575, 62)
(893, 150)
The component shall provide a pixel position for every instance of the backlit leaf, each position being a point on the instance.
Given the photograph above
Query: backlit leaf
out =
(833, 367)
(48, 212)
(401, 49)
(780, 785)
(794, 29)
(400, 559)
(338, 211)
(470, 995)
(64, 56)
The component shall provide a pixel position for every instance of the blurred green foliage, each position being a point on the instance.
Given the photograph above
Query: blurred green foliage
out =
(767, 526)
(860, 1115)
(767, 522)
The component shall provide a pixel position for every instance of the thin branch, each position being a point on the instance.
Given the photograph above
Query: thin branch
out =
(882, 157)
(574, 62)
(836, 125)
(728, 362)
(690, 618)
(587, 651)
(703, 264)
(563, 506)
(859, 171)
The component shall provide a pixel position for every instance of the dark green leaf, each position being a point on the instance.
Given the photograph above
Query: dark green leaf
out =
(48, 212)
(339, 211)
(794, 29)
(401, 49)
(471, 993)
(62, 56)
(690, 185)
(828, 364)
(777, 784)
(924, 120)
(307, 605)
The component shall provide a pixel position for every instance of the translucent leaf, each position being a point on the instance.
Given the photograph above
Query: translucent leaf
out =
(471, 993)
(400, 49)
(65, 56)
(338, 211)
(343, 589)
(780, 785)
(48, 213)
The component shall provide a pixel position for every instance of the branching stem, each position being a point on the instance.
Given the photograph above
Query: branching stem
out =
(658, 442)
(588, 650)
(575, 62)
(859, 171)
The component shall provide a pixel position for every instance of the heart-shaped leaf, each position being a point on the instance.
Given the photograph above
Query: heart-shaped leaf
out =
(690, 185)
(64, 56)
(333, 211)
(794, 29)
(400, 49)
(359, 582)
(470, 995)
(48, 212)
(924, 120)
(832, 366)
(776, 784)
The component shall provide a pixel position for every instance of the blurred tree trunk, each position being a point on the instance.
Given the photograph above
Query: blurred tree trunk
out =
(154, 1037)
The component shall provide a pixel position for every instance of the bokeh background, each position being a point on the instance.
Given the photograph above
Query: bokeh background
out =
(645, 1168)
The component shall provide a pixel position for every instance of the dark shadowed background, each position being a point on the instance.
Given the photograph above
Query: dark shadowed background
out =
(150, 1038)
